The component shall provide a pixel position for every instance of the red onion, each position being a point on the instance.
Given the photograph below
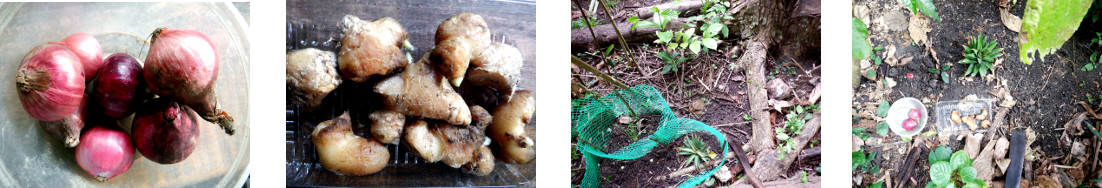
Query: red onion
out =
(86, 48)
(105, 152)
(119, 86)
(910, 124)
(183, 65)
(914, 114)
(68, 128)
(165, 132)
(50, 82)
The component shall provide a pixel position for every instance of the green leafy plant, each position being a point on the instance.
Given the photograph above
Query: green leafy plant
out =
(1096, 59)
(979, 55)
(580, 23)
(695, 150)
(860, 132)
(1047, 24)
(862, 161)
(861, 47)
(794, 123)
(882, 111)
(701, 32)
(747, 117)
(944, 72)
(926, 6)
(671, 61)
(952, 170)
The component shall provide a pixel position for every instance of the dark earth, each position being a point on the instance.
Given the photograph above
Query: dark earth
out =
(706, 88)
(1046, 92)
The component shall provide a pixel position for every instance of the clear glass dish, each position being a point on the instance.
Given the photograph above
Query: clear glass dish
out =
(28, 156)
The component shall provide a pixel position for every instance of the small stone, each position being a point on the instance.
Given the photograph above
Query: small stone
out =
(625, 119)
(723, 174)
(857, 143)
(893, 72)
(778, 89)
(896, 21)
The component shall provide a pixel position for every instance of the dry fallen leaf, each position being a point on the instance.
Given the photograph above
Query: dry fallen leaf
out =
(1012, 22)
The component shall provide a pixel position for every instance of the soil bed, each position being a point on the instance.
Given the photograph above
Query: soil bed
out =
(1046, 92)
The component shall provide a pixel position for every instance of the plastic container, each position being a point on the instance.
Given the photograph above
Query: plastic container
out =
(944, 109)
(898, 113)
(311, 24)
(31, 157)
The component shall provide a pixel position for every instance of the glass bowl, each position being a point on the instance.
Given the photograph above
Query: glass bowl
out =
(28, 156)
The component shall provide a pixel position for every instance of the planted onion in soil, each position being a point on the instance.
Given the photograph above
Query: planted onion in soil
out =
(119, 87)
(88, 50)
(165, 131)
(183, 65)
(50, 82)
(105, 152)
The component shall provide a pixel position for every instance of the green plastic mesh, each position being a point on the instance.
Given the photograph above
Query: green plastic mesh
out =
(591, 119)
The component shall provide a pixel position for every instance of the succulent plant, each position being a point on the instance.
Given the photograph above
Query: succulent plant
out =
(979, 55)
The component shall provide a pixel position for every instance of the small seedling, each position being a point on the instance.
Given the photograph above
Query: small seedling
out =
(671, 61)
(695, 150)
(947, 170)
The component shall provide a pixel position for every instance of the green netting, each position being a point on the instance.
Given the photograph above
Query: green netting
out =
(590, 119)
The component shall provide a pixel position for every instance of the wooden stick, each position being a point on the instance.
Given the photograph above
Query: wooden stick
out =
(745, 163)
(623, 44)
(808, 153)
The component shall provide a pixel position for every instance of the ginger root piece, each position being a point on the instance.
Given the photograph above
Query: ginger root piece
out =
(387, 125)
(507, 128)
(482, 163)
(419, 138)
(344, 153)
(461, 142)
(457, 39)
(419, 91)
(985, 123)
(982, 116)
(371, 48)
(971, 121)
(311, 75)
(498, 66)
(955, 116)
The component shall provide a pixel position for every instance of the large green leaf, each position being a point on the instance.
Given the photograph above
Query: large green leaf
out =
(959, 158)
(861, 47)
(664, 36)
(1047, 24)
(967, 174)
(858, 159)
(882, 110)
(941, 153)
(711, 43)
(927, 7)
(940, 172)
(882, 129)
